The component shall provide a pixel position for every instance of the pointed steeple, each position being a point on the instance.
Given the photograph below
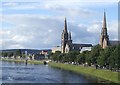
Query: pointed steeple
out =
(104, 40)
(104, 20)
(69, 35)
(104, 28)
(64, 37)
(65, 28)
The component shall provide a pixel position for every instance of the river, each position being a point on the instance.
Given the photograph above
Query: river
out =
(20, 73)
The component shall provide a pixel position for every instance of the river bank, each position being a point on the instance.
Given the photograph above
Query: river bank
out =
(103, 74)
(19, 73)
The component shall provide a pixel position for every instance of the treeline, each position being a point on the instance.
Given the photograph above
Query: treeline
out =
(19, 54)
(108, 57)
(11, 54)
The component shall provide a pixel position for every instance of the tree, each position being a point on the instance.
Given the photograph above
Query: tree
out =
(88, 57)
(49, 55)
(10, 54)
(101, 58)
(114, 57)
(118, 56)
(95, 52)
(18, 53)
(60, 57)
(0, 53)
(4, 54)
(81, 58)
(66, 58)
(55, 56)
(73, 56)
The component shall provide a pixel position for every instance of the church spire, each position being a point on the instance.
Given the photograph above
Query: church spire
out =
(65, 28)
(104, 28)
(104, 40)
(64, 37)
(69, 35)
(104, 20)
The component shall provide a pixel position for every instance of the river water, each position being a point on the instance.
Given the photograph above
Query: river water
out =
(20, 73)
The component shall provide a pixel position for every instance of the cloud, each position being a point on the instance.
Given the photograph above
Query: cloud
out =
(42, 23)
(10, 4)
(95, 27)
(113, 30)
(54, 5)
(45, 32)
(90, 33)
(4, 32)
(20, 5)
(31, 32)
(60, 1)
(80, 34)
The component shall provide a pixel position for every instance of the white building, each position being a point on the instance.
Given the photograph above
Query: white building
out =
(56, 48)
(85, 49)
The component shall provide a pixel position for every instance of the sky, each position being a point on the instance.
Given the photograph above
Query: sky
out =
(38, 24)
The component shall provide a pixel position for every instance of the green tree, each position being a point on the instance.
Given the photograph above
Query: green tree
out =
(66, 58)
(118, 56)
(61, 57)
(4, 54)
(55, 56)
(101, 60)
(18, 53)
(0, 53)
(49, 55)
(114, 57)
(95, 53)
(81, 58)
(88, 57)
(10, 54)
(73, 56)
(104, 58)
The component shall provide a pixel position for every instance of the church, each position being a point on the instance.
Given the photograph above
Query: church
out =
(67, 44)
(104, 38)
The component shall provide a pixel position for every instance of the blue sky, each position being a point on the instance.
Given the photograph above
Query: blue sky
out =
(38, 24)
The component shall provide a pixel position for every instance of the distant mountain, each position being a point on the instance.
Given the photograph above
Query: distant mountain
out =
(29, 51)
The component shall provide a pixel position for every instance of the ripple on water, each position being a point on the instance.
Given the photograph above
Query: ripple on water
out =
(16, 68)
(52, 80)
(7, 78)
(17, 73)
(10, 78)
(24, 78)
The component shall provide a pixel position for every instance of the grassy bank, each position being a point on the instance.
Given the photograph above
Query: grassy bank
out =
(103, 74)
(29, 61)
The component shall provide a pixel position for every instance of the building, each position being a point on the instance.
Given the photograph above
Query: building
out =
(85, 49)
(67, 44)
(56, 48)
(104, 38)
(45, 53)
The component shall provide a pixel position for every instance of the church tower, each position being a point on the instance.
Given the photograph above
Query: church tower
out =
(69, 37)
(104, 38)
(64, 37)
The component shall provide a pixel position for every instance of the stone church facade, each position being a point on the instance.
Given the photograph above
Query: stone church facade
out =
(104, 38)
(67, 44)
